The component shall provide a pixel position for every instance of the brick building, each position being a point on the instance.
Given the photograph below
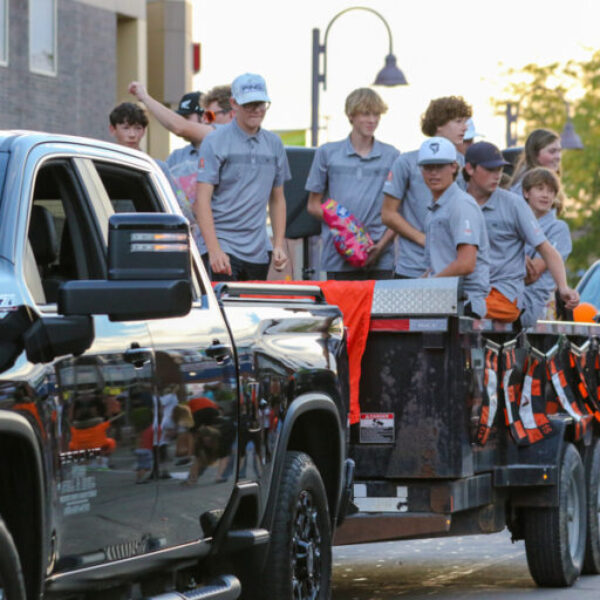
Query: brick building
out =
(65, 63)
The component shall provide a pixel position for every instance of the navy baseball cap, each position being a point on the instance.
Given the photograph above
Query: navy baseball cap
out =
(485, 154)
(189, 104)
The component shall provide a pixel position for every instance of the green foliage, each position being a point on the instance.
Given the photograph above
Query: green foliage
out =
(540, 93)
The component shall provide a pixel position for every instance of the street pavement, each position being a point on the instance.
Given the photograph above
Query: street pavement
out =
(481, 566)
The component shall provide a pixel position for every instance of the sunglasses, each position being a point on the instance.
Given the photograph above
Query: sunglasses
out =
(211, 115)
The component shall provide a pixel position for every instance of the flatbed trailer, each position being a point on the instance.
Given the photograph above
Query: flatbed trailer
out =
(470, 426)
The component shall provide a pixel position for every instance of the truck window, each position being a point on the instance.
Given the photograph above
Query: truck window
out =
(61, 236)
(132, 190)
(129, 190)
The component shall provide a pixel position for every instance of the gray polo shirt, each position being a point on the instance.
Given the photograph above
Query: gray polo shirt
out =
(356, 182)
(405, 182)
(539, 292)
(510, 224)
(244, 170)
(456, 219)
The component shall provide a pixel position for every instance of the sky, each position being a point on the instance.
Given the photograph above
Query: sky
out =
(443, 48)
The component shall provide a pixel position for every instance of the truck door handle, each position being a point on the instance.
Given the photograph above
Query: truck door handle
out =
(218, 351)
(137, 356)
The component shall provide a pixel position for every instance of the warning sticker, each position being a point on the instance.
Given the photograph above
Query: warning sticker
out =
(377, 428)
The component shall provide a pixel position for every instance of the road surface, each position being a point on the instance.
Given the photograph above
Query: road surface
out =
(482, 566)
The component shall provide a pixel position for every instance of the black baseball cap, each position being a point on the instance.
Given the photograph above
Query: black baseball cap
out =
(189, 104)
(485, 154)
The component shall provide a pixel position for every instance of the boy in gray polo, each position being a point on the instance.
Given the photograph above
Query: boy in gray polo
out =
(352, 171)
(406, 195)
(456, 243)
(510, 225)
(242, 169)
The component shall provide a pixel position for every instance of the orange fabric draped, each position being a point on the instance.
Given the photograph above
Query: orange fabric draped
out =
(354, 299)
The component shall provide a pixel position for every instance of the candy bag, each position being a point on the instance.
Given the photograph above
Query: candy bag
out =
(349, 235)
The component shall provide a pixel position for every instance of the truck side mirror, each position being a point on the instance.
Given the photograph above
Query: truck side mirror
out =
(149, 271)
(148, 246)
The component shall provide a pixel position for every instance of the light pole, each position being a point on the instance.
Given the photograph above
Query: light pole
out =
(569, 139)
(390, 75)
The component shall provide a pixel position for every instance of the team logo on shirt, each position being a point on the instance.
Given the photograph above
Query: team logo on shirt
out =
(389, 176)
(468, 230)
(202, 163)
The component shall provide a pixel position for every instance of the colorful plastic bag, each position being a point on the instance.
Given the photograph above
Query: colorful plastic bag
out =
(349, 235)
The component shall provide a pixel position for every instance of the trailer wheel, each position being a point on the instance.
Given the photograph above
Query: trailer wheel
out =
(299, 562)
(12, 586)
(555, 536)
(591, 563)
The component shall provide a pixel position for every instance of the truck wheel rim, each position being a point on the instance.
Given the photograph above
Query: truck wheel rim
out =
(573, 516)
(306, 548)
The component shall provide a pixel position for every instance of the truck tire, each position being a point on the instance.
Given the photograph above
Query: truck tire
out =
(591, 563)
(555, 536)
(299, 560)
(12, 586)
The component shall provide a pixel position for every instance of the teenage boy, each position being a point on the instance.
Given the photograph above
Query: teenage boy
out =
(127, 124)
(456, 243)
(242, 170)
(216, 102)
(352, 171)
(510, 225)
(406, 195)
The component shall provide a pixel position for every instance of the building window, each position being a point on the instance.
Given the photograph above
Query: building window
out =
(42, 36)
(3, 32)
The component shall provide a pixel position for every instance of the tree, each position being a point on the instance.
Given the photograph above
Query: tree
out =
(540, 94)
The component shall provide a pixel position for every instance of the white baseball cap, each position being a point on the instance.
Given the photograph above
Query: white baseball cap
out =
(249, 87)
(471, 134)
(436, 151)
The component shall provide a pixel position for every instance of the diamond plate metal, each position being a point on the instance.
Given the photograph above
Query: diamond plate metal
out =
(415, 297)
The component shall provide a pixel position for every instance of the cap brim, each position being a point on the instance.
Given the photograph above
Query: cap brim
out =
(184, 113)
(436, 161)
(493, 164)
(253, 97)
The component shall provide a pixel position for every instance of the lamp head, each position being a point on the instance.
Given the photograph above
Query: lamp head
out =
(569, 139)
(390, 75)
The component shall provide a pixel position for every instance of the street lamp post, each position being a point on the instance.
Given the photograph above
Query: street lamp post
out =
(568, 138)
(390, 75)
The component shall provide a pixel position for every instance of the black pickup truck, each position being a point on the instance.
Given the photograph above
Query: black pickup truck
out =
(159, 439)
